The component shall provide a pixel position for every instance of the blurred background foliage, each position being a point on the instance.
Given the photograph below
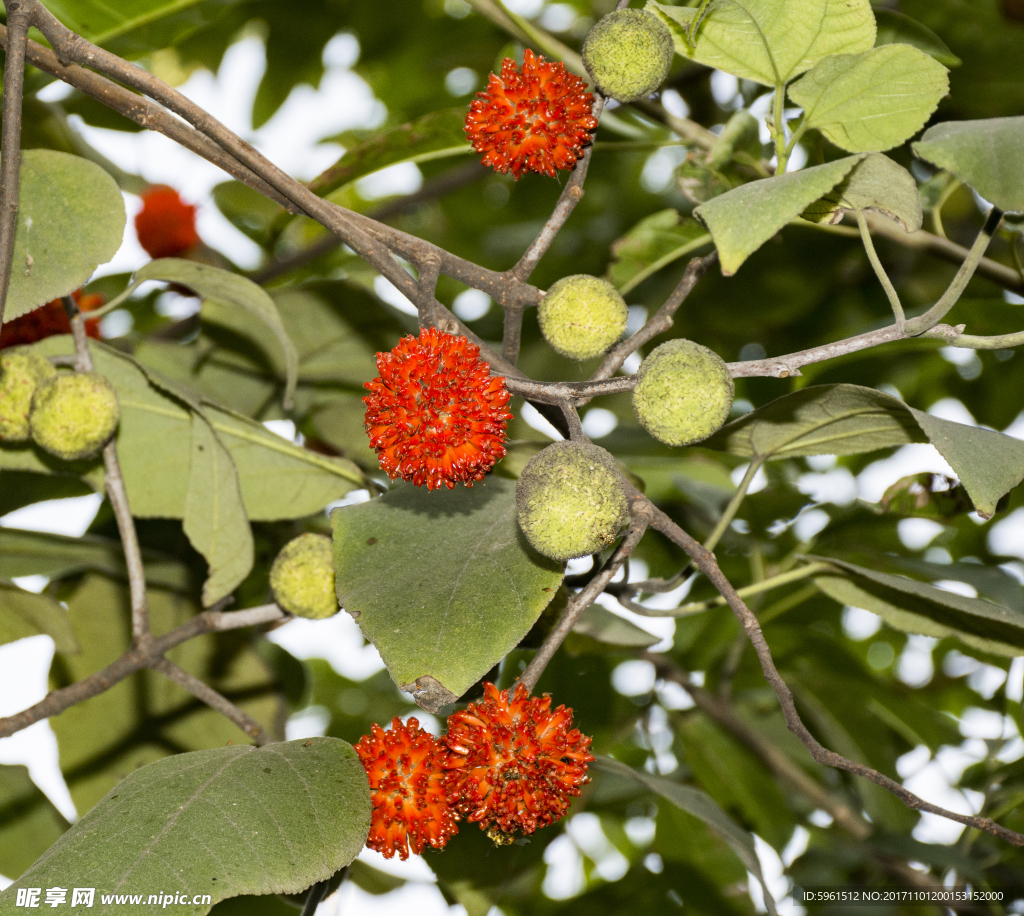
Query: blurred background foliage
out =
(872, 693)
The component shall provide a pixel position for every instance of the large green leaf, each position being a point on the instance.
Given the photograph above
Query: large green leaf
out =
(871, 101)
(227, 295)
(917, 607)
(29, 824)
(654, 242)
(39, 553)
(878, 184)
(278, 479)
(222, 822)
(146, 716)
(703, 807)
(442, 583)
(771, 41)
(988, 155)
(215, 520)
(71, 219)
(133, 28)
(851, 420)
(743, 219)
(437, 135)
(24, 613)
(897, 28)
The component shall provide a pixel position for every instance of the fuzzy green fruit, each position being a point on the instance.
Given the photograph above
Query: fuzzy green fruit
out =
(74, 415)
(628, 54)
(302, 577)
(683, 393)
(582, 316)
(21, 372)
(570, 500)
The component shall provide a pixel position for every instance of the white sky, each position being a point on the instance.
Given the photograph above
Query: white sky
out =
(291, 140)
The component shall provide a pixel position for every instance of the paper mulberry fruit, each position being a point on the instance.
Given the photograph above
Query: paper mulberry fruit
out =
(628, 54)
(514, 763)
(166, 225)
(434, 415)
(21, 371)
(538, 119)
(570, 500)
(683, 393)
(74, 415)
(582, 316)
(410, 804)
(302, 577)
(50, 319)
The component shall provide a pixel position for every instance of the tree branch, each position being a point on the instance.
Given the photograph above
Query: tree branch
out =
(19, 20)
(213, 699)
(705, 561)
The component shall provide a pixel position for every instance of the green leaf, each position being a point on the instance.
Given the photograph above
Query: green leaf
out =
(742, 220)
(246, 209)
(278, 479)
(442, 583)
(601, 624)
(871, 101)
(29, 823)
(24, 613)
(133, 28)
(437, 135)
(878, 184)
(215, 521)
(851, 420)
(223, 822)
(656, 241)
(224, 293)
(700, 805)
(37, 553)
(988, 155)
(916, 607)
(71, 219)
(896, 28)
(771, 41)
(22, 488)
(146, 716)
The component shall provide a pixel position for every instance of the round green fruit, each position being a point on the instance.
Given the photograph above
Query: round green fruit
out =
(302, 577)
(628, 53)
(570, 500)
(74, 415)
(683, 393)
(582, 316)
(21, 372)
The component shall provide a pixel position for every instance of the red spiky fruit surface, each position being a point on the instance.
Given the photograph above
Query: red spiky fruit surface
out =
(514, 762)
(166, 225)
(50, 319)
(410, 806)
(434, 415)
(538, 119)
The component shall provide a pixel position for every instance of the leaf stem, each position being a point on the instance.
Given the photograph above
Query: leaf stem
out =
(876, 263)
(779, 116)
(734, 505)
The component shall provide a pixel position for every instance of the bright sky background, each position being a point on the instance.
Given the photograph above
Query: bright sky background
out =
(291, 140)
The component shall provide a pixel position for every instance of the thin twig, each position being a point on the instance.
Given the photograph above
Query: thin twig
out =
(19, 19)
(705, 561)
(213, 699)
(585, 598)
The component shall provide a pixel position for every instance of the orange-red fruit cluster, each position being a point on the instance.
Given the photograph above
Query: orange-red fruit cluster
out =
(48, 320)
(537, 119)
(514, 762)
(166, 225)
(410, 807)
(434, 415)
(507, 763)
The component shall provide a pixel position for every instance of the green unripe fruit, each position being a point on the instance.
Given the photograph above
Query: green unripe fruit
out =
(74, 415)
(570, 500)
(683, 393)
(21, 372)
(302, 577)
(628, 54)
(582, 316)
